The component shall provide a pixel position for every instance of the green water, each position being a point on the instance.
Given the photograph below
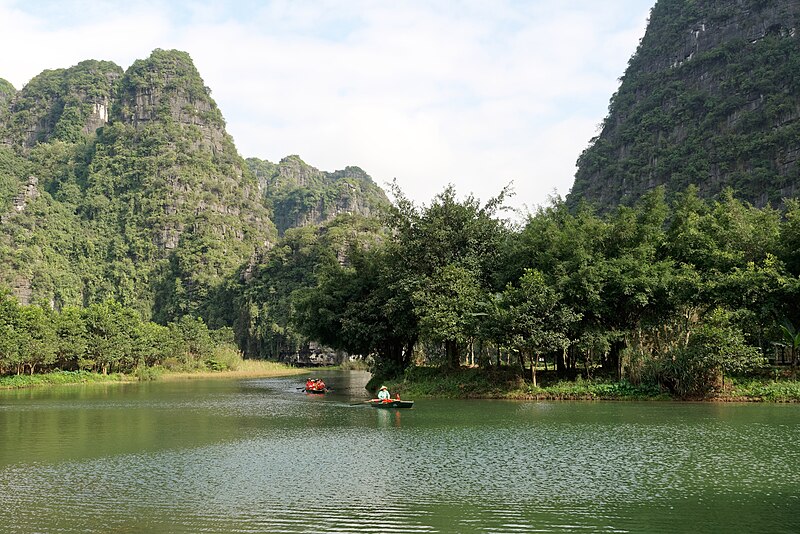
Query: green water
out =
(260, 456)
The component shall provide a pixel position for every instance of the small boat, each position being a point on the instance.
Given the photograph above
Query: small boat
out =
(315, 385)
(390, 403)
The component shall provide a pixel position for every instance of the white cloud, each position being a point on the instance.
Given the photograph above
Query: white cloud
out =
(471, 93)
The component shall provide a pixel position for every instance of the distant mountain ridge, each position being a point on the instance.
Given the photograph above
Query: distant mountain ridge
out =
(124, 184)
(301, 195)
(711, 98)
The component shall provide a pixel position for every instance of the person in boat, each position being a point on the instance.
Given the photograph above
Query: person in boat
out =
(383, 394)
(309, 383)
(319, 384)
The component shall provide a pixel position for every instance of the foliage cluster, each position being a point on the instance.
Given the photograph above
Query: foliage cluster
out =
(675, 296)
(297, 194)
(265, 304)
(710, 98)
(105, 338)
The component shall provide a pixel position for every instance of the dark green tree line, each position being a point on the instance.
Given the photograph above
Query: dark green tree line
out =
(104, 337)
(677, 294)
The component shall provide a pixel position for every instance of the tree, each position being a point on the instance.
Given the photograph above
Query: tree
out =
(536, 317)
(716, 347)
(108, 339)
(365, 308)
(791, 339)
(446, 255)
(71, 334)
(447, 307)
(37, 338)
(10, 333)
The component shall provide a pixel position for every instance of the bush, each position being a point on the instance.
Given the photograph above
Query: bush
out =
(224, 358)
(148, 374)
(715, 348)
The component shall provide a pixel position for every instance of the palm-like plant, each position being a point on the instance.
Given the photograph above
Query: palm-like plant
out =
(791, 337)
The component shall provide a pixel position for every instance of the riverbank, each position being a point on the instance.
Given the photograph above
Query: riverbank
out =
(245, 369)
(422, 382)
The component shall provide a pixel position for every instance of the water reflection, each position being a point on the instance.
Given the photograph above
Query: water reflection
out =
(387, 417)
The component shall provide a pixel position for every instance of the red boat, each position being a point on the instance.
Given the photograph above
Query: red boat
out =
(315, 385)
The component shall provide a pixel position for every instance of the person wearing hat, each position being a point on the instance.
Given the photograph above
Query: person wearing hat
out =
(383, 393)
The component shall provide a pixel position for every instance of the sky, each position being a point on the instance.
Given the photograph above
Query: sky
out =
(478, 94)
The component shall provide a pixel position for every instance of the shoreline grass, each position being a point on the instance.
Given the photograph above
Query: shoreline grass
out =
(426, 382)
(244, 369)
(421, 382)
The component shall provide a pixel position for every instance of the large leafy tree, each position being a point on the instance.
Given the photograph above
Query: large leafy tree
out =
(448, 306)
(446, 254)
(536, 320)
(364, 308)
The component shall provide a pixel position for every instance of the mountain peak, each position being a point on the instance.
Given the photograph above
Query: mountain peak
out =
(711, 98)
(166, 87)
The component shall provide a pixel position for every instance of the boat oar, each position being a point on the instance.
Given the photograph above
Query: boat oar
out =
(362, 402)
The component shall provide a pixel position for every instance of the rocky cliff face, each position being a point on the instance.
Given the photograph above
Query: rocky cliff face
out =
(711, 98)
(163, 101)
(62, 104)
(125, 185)
(301, 195)
(166, 87)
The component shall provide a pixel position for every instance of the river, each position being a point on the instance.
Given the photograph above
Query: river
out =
(258, 455)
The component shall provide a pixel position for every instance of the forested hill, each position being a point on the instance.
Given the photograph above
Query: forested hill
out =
(300, 195)
(124, 185)
(711, 97)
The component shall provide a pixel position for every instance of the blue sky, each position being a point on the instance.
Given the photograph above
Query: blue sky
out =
(473, 93)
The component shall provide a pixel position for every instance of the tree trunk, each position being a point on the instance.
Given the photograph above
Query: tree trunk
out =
(534, 358)
(560, 363)
(451, 352)
(613, 360)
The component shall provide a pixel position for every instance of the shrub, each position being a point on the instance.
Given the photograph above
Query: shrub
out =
(223, 358)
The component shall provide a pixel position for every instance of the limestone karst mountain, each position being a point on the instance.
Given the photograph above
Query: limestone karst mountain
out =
(301, 195)
(711, 98)
(124, 184)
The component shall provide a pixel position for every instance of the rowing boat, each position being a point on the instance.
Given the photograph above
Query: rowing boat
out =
(391, 403)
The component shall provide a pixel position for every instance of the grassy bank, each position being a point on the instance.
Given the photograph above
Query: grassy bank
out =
(243, 369)
(59, 378)
(423, 382)
(247, 369)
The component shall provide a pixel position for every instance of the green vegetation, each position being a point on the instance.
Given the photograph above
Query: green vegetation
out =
(708, 99)
(422, 382)
(265, 303)
(297, 194)
(144, 244)
(650, 300)
(56, 378)
(508, 384)
(106, 338)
